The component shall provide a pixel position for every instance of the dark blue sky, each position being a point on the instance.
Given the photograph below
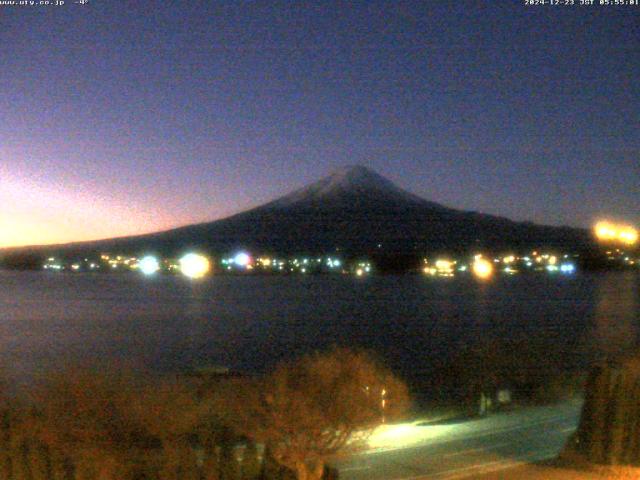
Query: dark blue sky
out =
(123, 117)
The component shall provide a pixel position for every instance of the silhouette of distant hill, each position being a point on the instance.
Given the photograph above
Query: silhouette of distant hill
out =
(355, 211)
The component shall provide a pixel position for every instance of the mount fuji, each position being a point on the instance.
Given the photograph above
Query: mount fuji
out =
(356, 211)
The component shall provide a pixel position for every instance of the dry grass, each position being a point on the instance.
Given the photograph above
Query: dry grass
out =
(569, 466)
(571, 459)
(551, 472)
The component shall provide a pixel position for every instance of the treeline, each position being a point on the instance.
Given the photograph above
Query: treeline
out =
(114, 425)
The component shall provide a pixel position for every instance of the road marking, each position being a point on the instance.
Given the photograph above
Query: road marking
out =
(494, 466)
(484, 448)
(483, 468)
(559, 424)
(352, 469)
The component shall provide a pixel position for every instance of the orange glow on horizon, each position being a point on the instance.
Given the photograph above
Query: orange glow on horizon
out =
(34, 214)
(18, 232)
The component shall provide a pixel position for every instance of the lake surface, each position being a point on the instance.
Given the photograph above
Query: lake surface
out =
(250, 323)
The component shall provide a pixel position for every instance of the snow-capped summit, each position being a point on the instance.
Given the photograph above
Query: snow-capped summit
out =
(349, 184)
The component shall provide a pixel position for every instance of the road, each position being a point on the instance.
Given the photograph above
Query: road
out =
(464, 449)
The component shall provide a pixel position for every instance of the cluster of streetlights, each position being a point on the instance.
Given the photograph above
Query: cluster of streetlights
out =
(616, 233)
(193, 265)
(480, 267)
(484, 268)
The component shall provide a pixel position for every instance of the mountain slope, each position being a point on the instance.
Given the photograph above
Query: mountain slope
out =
(355, 211)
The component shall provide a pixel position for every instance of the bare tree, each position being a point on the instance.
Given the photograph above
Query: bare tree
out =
(311, 410)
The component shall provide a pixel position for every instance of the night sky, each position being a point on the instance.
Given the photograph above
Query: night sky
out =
(123, 117)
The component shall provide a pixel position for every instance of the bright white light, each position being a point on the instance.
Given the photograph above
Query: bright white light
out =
(404, 435)
(482, 268)
(552, 268)
(444, 265)
(149, 265)
(242, 259)
(193, 265)
(567, 268)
